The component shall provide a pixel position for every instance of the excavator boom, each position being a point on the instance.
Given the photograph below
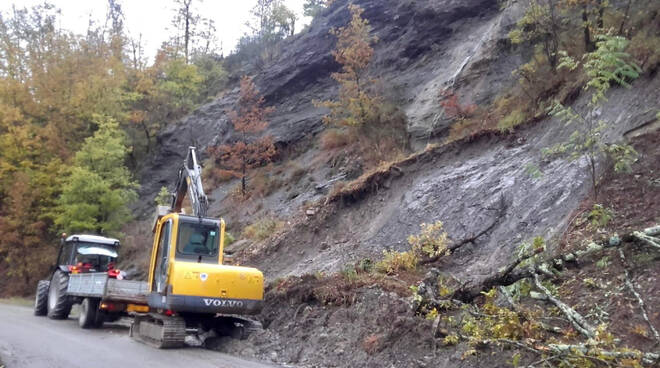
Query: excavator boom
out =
(189, 181)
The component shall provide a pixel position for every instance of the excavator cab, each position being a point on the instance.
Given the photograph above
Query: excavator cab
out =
(187, 274)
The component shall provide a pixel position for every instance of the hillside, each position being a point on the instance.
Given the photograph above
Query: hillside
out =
(493, 190)
(423, 183)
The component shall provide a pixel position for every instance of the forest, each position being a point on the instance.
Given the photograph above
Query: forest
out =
(80, 112)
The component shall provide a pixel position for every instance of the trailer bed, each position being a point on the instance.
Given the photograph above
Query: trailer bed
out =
(99, 285)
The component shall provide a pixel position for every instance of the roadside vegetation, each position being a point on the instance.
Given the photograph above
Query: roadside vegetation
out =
(80, 113)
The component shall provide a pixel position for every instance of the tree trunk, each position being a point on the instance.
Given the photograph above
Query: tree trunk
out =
(187, 33)
(243, 184)
(554, 49)
(625, 18)
(601, 12)
(147, 135)
(588, 44)
(594, 183)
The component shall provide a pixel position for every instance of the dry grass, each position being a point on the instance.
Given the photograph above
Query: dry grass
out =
(371, 344)
(368, 181)
(24, 302)
(297, 173)
(263, 184)
(334, 138)
(262, 229)
(337, 289)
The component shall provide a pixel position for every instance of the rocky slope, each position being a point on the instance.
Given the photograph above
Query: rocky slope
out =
(424, 47)
(480, 187)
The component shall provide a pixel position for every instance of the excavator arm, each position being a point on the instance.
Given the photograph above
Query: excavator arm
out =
(195, 286)
(189, 181)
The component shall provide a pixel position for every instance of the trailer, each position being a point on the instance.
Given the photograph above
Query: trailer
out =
(104, 298)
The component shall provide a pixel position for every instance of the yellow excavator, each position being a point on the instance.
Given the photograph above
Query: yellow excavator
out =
(189, 287)
(190, 292)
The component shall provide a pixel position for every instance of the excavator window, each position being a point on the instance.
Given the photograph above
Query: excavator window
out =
(161, 257)
(198, 241)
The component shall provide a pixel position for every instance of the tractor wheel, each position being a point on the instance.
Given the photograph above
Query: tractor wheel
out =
(41, 298)
(59, 304)
(89, 311)
(100, 317)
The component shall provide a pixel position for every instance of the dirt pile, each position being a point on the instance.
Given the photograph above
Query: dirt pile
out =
(307, 325)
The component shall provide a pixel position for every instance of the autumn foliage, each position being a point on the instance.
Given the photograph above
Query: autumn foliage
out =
(356, 104)
(453, 107)
(251, 149)
(77, 112)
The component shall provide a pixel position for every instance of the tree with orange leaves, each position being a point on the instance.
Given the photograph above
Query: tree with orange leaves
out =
(251, 149)
(356, 105)
(453, 107)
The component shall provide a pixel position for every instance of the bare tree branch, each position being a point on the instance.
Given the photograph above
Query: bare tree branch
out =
(654, 242)
(640, 301)
(576, 319)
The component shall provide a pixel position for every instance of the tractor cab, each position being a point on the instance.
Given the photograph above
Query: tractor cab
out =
(87, 253)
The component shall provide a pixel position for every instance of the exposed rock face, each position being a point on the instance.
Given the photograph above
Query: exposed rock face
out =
(424, 47)
(462, 186)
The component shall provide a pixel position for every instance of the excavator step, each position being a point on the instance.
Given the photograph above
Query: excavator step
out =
(159, 331)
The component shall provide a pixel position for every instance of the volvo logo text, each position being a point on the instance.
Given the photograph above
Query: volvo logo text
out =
(223, 303)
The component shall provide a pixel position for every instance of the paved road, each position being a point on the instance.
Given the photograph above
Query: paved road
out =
(27, 341)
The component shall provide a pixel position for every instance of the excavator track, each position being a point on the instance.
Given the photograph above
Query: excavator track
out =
(159, 331)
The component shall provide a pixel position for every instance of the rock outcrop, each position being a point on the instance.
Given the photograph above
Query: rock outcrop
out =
(424, 47)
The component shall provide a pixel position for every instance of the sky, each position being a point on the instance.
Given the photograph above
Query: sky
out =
(151, 18)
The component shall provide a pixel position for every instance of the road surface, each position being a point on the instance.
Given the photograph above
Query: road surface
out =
(27, 341)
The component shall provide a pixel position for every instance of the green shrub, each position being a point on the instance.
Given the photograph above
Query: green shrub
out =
(512, 120)
(599, 216)
(349, 273)
(229, 238)
(164, 197)
(365, 265)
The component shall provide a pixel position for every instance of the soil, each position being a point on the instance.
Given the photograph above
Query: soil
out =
(634, 201)
(369, 326)
(368, 320)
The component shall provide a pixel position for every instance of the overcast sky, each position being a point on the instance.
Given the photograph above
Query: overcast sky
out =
(151, 18)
